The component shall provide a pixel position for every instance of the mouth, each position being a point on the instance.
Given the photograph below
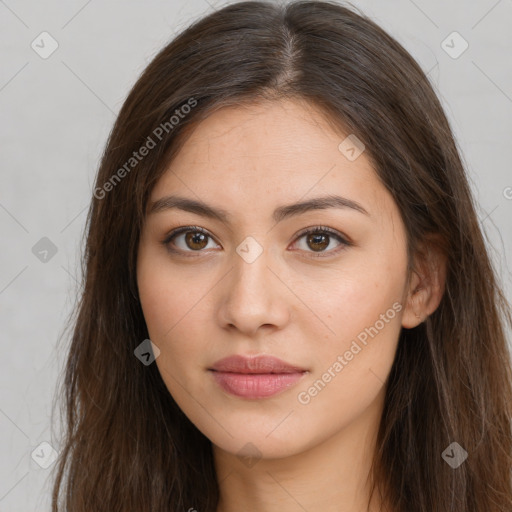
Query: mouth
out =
(255, 377)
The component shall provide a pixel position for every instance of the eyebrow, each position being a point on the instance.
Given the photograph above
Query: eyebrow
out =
(280, 213)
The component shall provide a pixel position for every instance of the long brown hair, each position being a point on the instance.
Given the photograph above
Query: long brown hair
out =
(127, 446)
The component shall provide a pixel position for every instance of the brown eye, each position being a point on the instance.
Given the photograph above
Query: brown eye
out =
(318, 242)
(319, 239)
(196, 240)
(188, 239)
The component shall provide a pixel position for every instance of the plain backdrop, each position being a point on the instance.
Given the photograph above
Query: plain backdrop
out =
(55, 115)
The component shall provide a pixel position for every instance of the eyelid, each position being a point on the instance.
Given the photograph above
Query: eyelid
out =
(343, 239)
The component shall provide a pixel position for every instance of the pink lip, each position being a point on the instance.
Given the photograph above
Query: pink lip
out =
(255, 377)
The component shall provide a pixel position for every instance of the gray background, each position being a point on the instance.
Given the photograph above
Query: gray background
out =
(56, 113)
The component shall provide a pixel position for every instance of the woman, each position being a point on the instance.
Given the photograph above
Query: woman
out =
(288, 303)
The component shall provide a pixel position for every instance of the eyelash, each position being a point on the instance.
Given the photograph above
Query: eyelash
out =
(313, 230)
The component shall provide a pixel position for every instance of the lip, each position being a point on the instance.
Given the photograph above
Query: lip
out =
(255, 377)
(255, 364)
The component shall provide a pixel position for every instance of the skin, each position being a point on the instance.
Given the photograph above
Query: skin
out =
(205, 302)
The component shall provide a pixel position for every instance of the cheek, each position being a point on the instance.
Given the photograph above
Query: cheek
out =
(158, 305)
(165, 298)
(175, 317)
(363, 311)
(357, 299)
(351, 369)
(362, 338)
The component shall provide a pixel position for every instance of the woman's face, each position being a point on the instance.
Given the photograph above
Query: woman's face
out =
(252, 283)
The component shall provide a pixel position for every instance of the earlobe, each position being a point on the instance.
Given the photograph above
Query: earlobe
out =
(415, 304)
(415, 311)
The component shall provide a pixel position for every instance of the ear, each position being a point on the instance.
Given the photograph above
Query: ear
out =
(426, 283)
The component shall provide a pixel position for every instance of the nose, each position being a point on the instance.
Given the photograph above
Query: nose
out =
(253, 297)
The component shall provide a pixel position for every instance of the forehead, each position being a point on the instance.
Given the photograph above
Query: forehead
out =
(287, 130)
(268, 153)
